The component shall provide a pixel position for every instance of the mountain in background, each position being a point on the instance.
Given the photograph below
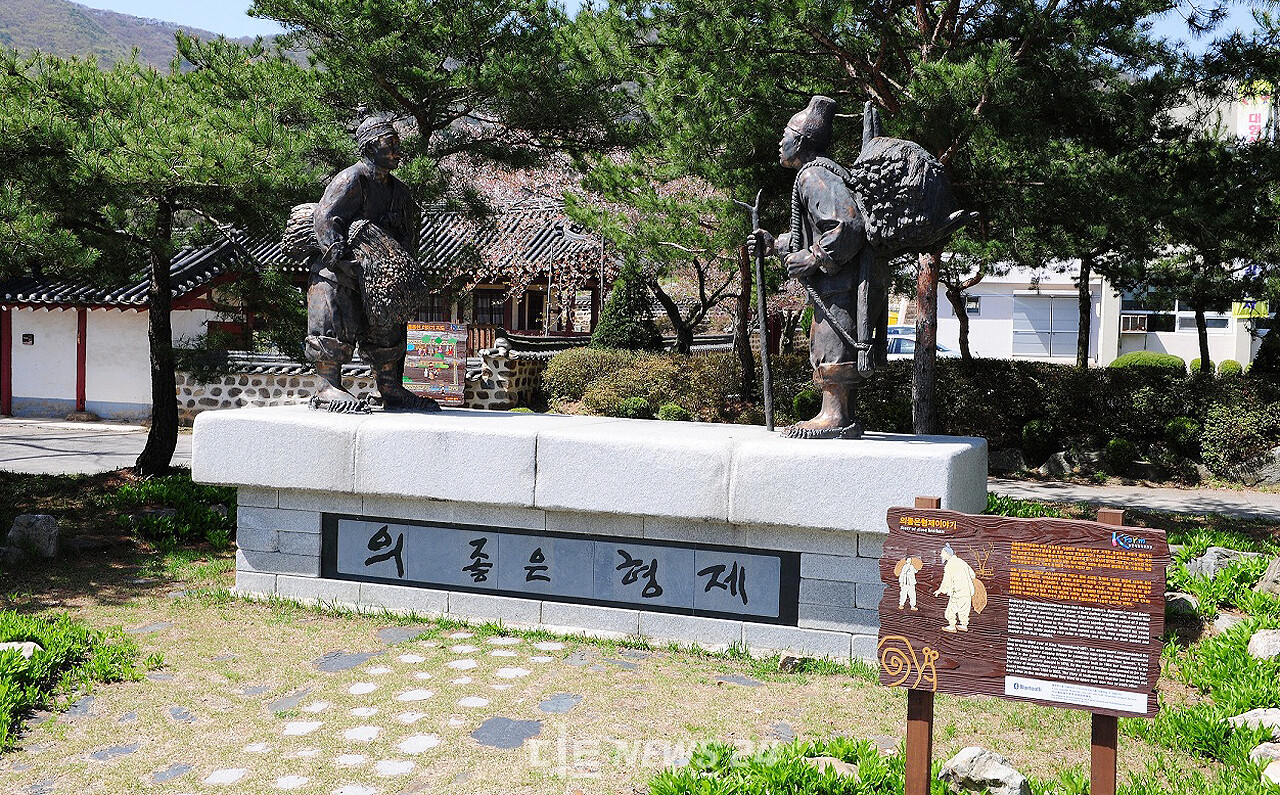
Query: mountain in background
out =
(63, 28)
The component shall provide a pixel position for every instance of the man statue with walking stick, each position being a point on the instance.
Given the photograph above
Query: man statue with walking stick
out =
(845, 227)
(826, 249)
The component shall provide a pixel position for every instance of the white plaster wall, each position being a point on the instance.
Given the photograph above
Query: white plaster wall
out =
(46, 369)
(991, 332)
(1223, 344)
(118, 368)
(190, 323)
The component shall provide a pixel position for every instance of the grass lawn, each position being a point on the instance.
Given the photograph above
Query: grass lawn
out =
(237, 694)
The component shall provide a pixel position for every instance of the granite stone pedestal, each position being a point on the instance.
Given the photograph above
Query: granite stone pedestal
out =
(721, 534)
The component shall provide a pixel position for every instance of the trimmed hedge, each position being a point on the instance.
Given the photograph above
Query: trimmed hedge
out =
(1230, 367)
(1151, 359)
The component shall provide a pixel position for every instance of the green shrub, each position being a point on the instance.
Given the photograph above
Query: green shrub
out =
(626, 321)
(807, 404)
(179, 510)
(1153, 359)
(674, 412)
(521, 410)
(72, 656)
(571, 372)
(634, 408)
(1183, 435)
(1238, 437)
(652, 377)
(1230, 367)
(1194, 366)
(1038, 441)
(1118, 456)
(1000, 505)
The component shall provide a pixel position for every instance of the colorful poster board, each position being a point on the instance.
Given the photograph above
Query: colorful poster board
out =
(1059, 612)
(435, 363)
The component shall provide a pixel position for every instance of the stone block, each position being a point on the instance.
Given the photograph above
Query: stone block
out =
(278, 447)
(866, 648)
(871, 545)
(277, 563)
(252, 582)
(839, 568)
(869, 594)
(425, 456)
(815, 642)
(403, 599)
(693, 531)
(619, 525)
(278, 519)
(483, 515)
(841, 619)
(827, 592)
(800, 539)
(402, 508)
(317, 589)
(487, 607)
(714, 634)
(257, 539)
(36, 533)
(665, 469)
(594, 620)
(861, 479)
(299, 543)
(251, 497)
(321, 501)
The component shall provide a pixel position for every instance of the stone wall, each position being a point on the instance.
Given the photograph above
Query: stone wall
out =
(505, 382)
(238, 390)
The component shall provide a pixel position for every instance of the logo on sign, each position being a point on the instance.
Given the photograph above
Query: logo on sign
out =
(1125, 541)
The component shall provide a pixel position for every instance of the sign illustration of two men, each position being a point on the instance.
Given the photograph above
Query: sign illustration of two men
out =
(960, 584)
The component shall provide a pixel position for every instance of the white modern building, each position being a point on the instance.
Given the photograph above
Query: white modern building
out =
(1034, 315)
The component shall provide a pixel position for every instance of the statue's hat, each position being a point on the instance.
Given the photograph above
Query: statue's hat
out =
(814, 122)
(373, 128)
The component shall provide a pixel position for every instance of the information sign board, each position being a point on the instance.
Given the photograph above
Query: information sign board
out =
(435, 362)
(1059, 612)
(692, 579)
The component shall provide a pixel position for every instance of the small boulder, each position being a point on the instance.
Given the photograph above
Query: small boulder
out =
(1265, 752)
(1255, 718)
(1271, 773)
(1215, 559)
(220, 510)
(1225, 621)
(1006, 461)
(1265, 644)
(36, 533)
(83, 416)
(1181, 604)
(27, 649)
(12, 557)
(1270, 582)
(978, 770)
(840, 767)
(791, 664)
(1057, 465)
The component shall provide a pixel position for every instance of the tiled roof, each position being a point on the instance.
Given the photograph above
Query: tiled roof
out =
(513, 246)
(190, 270)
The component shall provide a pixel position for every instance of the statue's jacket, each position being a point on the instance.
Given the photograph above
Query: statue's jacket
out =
(826, 223)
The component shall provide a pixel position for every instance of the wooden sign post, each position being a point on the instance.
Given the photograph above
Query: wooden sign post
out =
(1058, 612)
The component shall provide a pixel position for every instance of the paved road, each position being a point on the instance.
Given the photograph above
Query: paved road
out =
(60, 448)
(1245, 504)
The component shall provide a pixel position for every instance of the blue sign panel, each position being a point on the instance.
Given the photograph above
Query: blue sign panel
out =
(662, 576)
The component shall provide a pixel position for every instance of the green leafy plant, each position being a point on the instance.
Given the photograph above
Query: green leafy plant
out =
(1230, 367)
(1001, 505)
(635, 408)
(178, 511)
(674, 412)
(1119, 456)
(1038, 441)
(1152, 359)
(807, 403)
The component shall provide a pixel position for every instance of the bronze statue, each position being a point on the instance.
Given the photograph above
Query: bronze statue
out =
(365, 276)
(845, 227)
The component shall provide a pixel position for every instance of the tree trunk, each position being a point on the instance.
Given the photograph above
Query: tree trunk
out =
(163, 436)
(924, 409)
(742, 328)
(683, 330)
(1083, 329)
(1202, 333)
(955, 297)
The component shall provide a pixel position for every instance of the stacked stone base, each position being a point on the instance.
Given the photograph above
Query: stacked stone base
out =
(635, 481)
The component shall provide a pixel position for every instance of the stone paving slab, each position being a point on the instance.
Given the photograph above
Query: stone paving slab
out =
(1247, 504)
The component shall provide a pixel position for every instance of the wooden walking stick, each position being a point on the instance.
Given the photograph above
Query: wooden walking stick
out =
(754, 209)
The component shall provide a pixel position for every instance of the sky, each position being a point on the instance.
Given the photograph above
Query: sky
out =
(228, 17)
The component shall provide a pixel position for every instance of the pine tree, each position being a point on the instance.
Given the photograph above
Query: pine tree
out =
(626, 321)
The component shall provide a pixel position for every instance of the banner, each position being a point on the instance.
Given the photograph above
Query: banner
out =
(435, 363)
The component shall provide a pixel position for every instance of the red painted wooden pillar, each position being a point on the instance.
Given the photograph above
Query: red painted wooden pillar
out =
(82, 330)
(6, 361)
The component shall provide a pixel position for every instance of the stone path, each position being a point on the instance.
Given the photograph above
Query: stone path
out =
(1245, 504)
(55, 447)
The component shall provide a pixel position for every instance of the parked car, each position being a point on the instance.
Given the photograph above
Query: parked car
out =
(902, 346)
(898, 331)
